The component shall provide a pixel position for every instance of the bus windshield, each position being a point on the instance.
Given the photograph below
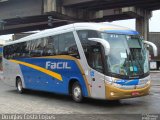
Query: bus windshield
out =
(128, 56)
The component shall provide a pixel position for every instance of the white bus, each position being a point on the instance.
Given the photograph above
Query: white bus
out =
(95, 60)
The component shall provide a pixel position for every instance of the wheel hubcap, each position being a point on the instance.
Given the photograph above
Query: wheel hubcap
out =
(19, 86)
(77, 92)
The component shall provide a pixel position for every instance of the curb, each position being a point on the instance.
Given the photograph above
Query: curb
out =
(157, 71)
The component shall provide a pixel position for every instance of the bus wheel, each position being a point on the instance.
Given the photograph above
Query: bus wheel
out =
(19, 85)
(77, 92)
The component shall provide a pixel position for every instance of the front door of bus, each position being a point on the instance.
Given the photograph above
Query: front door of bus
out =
(96, 72)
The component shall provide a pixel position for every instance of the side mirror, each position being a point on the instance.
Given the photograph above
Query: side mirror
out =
(105, 44)
(153, 46)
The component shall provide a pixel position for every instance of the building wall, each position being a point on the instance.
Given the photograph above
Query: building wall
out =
(155, 38)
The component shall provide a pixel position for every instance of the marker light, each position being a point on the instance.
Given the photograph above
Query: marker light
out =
(112, 93)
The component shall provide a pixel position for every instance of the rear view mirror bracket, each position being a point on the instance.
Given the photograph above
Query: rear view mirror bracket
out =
(105, 44)
(154, 47)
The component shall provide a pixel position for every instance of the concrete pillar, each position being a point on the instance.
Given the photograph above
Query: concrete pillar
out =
(142, 24)
(50, 5)
(2, 23)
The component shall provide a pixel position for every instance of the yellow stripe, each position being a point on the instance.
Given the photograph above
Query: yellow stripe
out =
(51, 73)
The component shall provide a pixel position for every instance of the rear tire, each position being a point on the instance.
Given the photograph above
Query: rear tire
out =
(77, 92)
(19, 86)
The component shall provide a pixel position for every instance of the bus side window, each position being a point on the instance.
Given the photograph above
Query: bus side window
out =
(10, 51)
(40, 46)
(6, 52)
(15, 51)
(31, 46)
(51, 47)
(20, 50)
(67, 45)
(36, 47)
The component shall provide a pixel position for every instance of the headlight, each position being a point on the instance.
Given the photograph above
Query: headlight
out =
(149, 82)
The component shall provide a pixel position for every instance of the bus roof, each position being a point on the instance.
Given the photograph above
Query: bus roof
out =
(104, 27)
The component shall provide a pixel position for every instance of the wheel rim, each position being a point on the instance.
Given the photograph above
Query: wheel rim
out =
(19, 86)
(77, 92)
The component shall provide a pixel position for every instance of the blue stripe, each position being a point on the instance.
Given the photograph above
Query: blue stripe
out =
(128, 82)
(128, 32)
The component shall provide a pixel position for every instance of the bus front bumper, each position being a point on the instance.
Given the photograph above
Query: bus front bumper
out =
(114, 93)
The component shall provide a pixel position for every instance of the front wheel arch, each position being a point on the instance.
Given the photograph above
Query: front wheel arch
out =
(70, 89)
(73, 86)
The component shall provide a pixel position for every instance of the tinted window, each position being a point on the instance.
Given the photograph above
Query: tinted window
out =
(19, 50)
(51, 47)
(6, 51)
(85, 34)
(91, 49)
(67, 45)
(36, 47)
(63, 44)
(47, 46)
(16, 51)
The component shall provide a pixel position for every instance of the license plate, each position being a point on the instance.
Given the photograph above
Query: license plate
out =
(135, 93)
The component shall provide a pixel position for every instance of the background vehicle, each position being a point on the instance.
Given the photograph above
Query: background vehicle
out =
(94, 60)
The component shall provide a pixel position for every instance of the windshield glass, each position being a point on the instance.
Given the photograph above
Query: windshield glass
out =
(128, 56)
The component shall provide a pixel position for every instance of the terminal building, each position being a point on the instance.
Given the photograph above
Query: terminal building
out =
(155, 61)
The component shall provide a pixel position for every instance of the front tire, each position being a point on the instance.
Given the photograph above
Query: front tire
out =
(19, 86)
(77, 92)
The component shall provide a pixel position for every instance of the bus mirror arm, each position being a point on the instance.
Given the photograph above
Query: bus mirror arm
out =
(105, 44)
(153, 46)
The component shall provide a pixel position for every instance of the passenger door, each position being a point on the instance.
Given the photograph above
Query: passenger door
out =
(96, 72)
(95, 65)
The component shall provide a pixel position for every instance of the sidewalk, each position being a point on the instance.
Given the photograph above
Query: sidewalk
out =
(155, 71)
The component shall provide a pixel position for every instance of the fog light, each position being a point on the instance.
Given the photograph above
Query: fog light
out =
(112, 93)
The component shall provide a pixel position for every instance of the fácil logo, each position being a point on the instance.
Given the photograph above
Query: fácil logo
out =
(57, 65)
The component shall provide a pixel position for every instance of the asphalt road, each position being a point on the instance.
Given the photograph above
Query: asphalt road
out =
(33, 102)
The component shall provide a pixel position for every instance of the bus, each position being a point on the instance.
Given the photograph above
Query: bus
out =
(84, 60)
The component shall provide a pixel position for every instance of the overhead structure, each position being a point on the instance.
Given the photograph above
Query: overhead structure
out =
(28, 15)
